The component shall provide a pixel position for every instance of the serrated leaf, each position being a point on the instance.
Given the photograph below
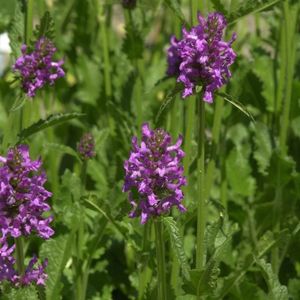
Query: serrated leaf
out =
(45, 28)
(42, 124)
(242, 182)
(295, 124)
(263, 69)
(16, 31)
(174, 5)
(57, 251)
(169, 97)
(250, 7)
(276, 290)
(62, 149)
(263, 147)
(19, 103)
(266, 243)
(177, 244)
(133, 44)
(24, 293)
(218, 6)
(66, 202)
(235, 103)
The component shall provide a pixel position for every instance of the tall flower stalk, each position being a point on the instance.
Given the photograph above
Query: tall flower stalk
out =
(86, 151)
(201, 58)
(154, 180)
(23, 202)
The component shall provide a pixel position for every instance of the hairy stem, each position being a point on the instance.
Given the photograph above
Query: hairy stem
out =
(20, 256)
(160, 256)
(201, 205)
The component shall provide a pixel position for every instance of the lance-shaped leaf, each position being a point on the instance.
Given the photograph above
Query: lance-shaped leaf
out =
(250, 7)
(42, 124)
(177, 245)
(57, 251)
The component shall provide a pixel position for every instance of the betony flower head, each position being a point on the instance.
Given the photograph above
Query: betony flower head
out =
(38, 68)
(202, 57)
(8, 263)
(22, 195)
(154, 174)
(86, 147)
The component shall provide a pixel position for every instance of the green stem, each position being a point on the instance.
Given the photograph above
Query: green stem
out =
(79, 268)
(105, 51)
(215, 138)
(289, 65)
(145, 271)
(20, 255)
(160, 255)
(189, 118)
(27, 35)
(288, 48)
(138, 65)
(28, 21)
(201, 206)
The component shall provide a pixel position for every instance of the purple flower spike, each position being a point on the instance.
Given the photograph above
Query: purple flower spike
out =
(22, 195)
(202, 57)
(7, 268)
(86, 147)
(37, 68)
(7, 261)
(154, 174)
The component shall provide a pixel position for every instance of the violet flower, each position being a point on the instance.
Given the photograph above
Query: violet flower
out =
(202, 57)
(7, 268)
(86, 147)
(38, 68)
(22, 195)
(154, 174)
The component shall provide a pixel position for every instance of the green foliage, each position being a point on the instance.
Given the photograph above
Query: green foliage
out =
(24, 293)
(45, 28)
(42, 124)
(177, 244)
(250, 7)
(174, 5)
(263, 151)
(16, 31)
(276, 290)
(112, 85)
(57, 251)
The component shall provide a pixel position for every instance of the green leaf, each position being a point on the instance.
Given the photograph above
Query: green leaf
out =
(42, 124)
(265, 244)
(250, 7)
(16, 31)
(24, 293)
(177, 245)
(236, 103)
(174, 5)
(239, 171)
(62, 149)
(263, 147)
(57, 251)
(296, 126)
(276, 290)
(66, 201)
(168, 99)
(263, 69)
(45, 28)
(294, 288)
(218, 6)
(133, 44)
(18, 103)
